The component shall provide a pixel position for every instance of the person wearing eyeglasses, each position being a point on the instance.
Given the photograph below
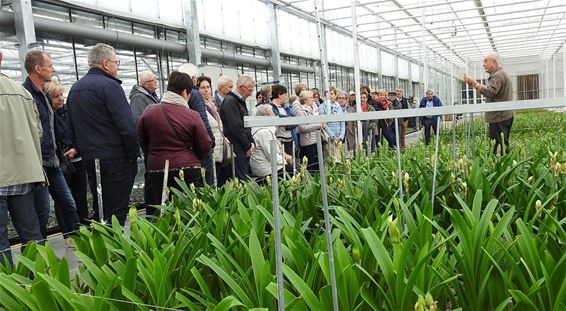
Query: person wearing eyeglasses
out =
(102, 127)
(39, 68)
(142, 95)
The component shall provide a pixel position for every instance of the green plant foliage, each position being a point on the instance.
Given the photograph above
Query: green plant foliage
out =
(493, 240)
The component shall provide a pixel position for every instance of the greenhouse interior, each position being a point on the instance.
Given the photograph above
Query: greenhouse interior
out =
(308, 155)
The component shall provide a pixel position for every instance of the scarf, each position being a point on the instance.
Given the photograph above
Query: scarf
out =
(211, 108)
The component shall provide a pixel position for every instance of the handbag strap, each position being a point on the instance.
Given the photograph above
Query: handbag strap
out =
(173, 128)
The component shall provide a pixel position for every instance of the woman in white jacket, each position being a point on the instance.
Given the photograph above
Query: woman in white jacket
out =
(260, 161)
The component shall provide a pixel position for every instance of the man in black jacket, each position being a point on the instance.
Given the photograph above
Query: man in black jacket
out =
(232, 113)
(39, 68)
(196, 103)
(102, 127)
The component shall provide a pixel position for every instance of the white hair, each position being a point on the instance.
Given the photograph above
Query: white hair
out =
(223, 81)
(145, 76)
(429, 90)
(264, 110)
(244, 79)
(189, 69)
(99, 53)
(494, 56)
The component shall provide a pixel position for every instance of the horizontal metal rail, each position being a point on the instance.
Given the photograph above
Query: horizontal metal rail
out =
(407, 113)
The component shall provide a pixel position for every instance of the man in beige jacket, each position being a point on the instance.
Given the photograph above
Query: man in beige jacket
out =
(20, 163)
(498, 89)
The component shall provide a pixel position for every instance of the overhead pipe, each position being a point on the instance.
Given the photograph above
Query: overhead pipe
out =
(111, 36)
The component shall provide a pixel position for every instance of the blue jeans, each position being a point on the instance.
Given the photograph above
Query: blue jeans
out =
(24, 218)
(117, 178)
(66, 209)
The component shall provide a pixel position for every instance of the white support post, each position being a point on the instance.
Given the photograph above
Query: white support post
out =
(193, 36)
(424, 48)
(322, 49)
(327, 225)
(274, 39)
(277, 224)
(554, 75)
(25, 30)
(357, 82)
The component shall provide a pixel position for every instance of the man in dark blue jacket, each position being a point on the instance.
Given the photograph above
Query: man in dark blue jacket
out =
(232, 113)
(430, 100)
(39, 68)
(102, 127)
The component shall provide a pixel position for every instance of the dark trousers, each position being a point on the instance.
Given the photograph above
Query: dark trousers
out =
(311, 153)
(65, 208)
(24, 218)
(429, 123)
(117, 178)
(242, 165)
(149, 197)
(207, 163)
(192, 176)
(495, 131)
(77, 183)
(223, 173)
(288, 147)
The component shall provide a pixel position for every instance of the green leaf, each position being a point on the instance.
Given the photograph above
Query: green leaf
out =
(304, 289)
(22, 295)
(228, 279)
(129, 275)
(42, 292)
(228, 303)
(381, 255)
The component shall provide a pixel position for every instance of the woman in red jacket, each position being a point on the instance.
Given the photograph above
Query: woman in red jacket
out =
(172, 131)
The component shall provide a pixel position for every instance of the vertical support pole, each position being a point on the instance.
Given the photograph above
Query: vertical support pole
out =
(99, 191)
(468, 118)
(564, 71)
(554, 76)
(396, 57)
(278, 254)
(547, 82)
(473, 127)
(274, 39)
(435, 160)
(165, 189)
(193, 37)
(327, 221)
(25, 30)
(322, 49)
(425, 50)
(455, 115)
(399, 170)
(357, 82)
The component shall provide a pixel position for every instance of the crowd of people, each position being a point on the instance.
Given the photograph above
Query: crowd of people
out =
(51, 146)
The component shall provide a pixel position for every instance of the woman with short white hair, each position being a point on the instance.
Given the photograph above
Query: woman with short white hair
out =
(260, 161)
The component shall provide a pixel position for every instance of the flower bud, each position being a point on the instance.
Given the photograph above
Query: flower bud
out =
(394, 233)
(530, 179)
(181, 174)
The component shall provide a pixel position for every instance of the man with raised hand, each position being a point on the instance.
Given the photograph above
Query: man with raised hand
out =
(499, 88)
